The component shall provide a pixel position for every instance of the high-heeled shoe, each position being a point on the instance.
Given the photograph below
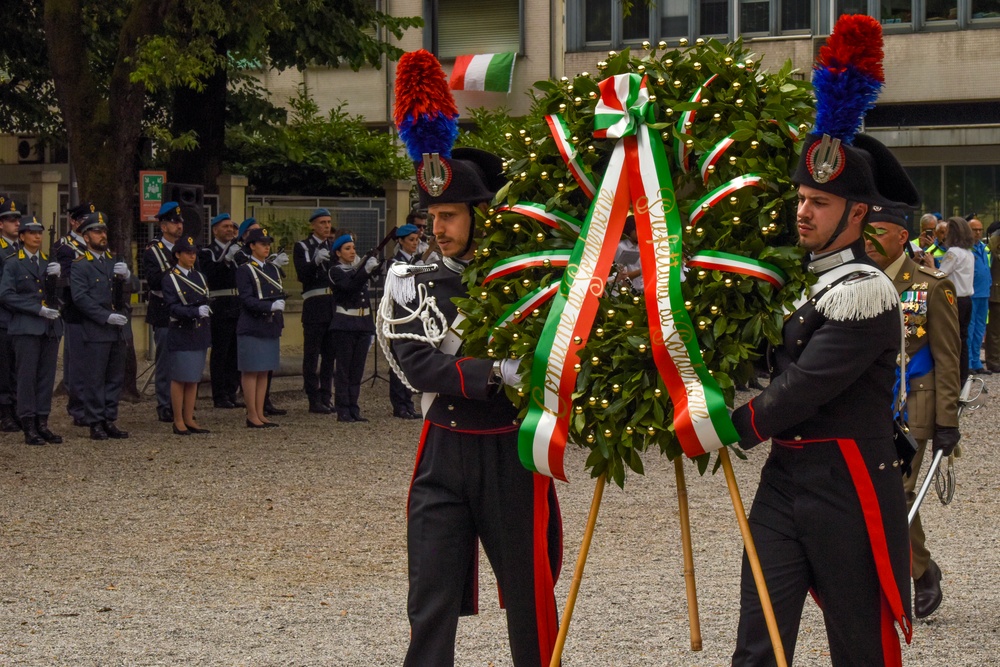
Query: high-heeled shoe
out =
(177, 431)
(270, 425)
(197, 429)
(250, 424)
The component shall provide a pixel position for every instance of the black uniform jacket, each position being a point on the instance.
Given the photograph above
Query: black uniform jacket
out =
(350, 291)
(221, 278)
(259, 287)
(91, 282)
(156, 262)
(22, 289)
(183, 295)
(466, 400)
(70, 247)
(832, 377)
(317, 290)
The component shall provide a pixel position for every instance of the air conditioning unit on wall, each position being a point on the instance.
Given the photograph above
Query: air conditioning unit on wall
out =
(30, 150)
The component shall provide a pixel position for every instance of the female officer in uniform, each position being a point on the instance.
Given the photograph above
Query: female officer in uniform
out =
(258, 331)
(189, 334)
(352, 325)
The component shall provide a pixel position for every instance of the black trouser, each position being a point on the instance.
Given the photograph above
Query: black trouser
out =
(352, 352)
(399, 395)
(810, 532)
(161, 374)
(223, 365)
(102, 387)
(74, 368)
(36, 373)
(318, 352)
(8, 366)
(964, 317)
(468, 486)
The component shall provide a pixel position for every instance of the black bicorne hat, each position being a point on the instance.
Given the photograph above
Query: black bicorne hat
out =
(469, 176)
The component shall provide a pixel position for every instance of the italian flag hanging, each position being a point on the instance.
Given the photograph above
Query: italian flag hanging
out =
(491, 72)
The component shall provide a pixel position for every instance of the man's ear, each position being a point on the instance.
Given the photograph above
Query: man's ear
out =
(859, 212)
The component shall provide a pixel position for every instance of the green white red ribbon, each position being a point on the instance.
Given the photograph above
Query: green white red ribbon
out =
(701, 207)
(560, 132)
(637, 178)
(558, 258)
(711, 158)
(724, 261)
(537, 212)
(526, 305)
(688, 117)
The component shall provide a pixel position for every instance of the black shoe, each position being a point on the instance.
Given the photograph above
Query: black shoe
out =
(8, 420)
(415, 415)
(195, 429)
(250, 424)
(42, 426)
(403, 413)
(97, 432)
(927, 591)
(225, 404)
(319, 408)
(271, 411)
(345, 416)
(165, 414)
(271, 425)
(357, 417)
(177, 431)
(980, 371)
(31, 435)
(80, 423)
(114, 432)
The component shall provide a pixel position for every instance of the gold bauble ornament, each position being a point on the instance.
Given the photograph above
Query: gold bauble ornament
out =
(560, 186)
(714, 310)
(661, 44)
(611, 312)
(605, 403)
(696, 65)
(596, 361)
(544, 175)
(700, 41)
(516, 227)
(539, 237)
(577, 340)
(599, 332)
(683, 41)
(739, 101)
(526, 282)
(522, 132)
(774, 214)
(616, 388)
(592, 401)
(657, 393)
(629, 324)
(578, 409)
(646, 45)
(736, 85)
(642, 347)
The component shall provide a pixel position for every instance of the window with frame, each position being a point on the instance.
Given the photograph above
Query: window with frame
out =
(985, 9)
(603, 23)
(459, 29)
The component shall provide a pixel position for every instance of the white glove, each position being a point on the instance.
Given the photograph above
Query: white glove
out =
(117, 319)
(121, 269)
(508, 371)
(231, 252)
(204, 311)
(278, 305)
(281, 259)
(372, 264)
(322, 255)
(53, 269)
(49, 313)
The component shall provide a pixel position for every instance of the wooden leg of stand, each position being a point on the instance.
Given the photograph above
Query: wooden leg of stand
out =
(581, 561)
(692, 592)
(758, 573)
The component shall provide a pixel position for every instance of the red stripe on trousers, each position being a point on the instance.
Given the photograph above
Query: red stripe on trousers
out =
(545, 607)
(416, 464)
(876, 534)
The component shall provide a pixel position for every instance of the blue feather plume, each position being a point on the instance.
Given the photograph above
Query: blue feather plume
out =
(842, 100)
(428, 133)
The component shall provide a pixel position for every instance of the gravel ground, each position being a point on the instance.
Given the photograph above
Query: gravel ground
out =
(287, 547)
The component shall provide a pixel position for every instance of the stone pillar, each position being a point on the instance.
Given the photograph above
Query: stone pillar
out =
(233, 196)
(43, 201)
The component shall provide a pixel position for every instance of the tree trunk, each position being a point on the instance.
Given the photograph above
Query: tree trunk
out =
(205, 113)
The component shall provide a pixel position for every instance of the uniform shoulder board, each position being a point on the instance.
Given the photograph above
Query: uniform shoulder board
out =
(177, 271)
(89, 255)
(859, 296)
(44, 257)
(400, 281)
(933, 272)
(20, 254)
(3, 242)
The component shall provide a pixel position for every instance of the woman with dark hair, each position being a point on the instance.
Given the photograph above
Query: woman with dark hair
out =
(959, 265)
(258, 331)
(352, 324)
(189, 335)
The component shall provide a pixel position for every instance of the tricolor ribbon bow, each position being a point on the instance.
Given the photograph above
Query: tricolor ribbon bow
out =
(637, 178)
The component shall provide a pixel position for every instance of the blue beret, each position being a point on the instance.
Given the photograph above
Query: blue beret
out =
(319, 213)
(245, 225)
(341, 240)
(406, 230)
(219, 218)
(169, 211)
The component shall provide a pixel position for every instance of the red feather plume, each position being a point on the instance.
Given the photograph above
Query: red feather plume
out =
(857, 41)
(421, 88)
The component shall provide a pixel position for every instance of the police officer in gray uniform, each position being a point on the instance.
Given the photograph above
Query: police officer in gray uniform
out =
(35, 329)
(156, 262)
(67, 249)
(102, 341)
(10, 221)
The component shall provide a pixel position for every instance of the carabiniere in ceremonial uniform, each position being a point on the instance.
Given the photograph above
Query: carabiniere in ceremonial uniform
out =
(35, 328)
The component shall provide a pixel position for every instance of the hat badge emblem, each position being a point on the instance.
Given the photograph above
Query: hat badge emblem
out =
(434, 174)
(826, 159)
(190, 241)
(92, 209)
